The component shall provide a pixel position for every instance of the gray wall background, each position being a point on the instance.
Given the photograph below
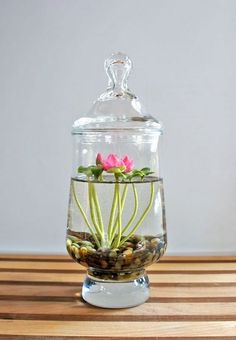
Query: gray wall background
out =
(51, 69)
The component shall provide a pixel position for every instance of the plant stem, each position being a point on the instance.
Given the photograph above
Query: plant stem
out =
(146, 211)
(84, 215)
(92, 210)
(123, 198)
(112, 214)
(135, 209)
(97, 209)
(117, 240)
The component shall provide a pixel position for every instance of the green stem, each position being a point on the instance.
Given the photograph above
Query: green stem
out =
(84, 215)
(92, 210)
(117, 240)
(123, 198)
(97, 209)
(112, 214)
(146, 211)
(135, 209)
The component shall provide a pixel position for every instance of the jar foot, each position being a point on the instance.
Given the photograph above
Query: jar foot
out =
(111, 294)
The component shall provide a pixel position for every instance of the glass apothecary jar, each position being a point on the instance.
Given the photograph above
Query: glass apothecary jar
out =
(116, 219)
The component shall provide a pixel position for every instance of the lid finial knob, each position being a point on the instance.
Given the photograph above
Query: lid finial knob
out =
(118, 67)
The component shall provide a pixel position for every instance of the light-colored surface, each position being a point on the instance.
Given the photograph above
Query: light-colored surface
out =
(151, 310)
(51, 69)
(224, 293)
(179, 306)
(72, 328)
(173, 278)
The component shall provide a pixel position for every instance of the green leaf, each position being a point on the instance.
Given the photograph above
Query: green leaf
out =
(96, 171)
(137, 173)
(129, 176)
(82, 169)
(140, 173)
(149, 173)
(85, 170)
(145, 169)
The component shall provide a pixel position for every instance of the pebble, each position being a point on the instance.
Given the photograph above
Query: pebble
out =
(117, 266)
(128, 251)
(149, 258)
(138, 251)
(83, 251)
(68, 245)
(104, 264)
(154, 242)
(136, 238)
(128, 259)
(129, 245)
(75, 250)
(137, 261)
(73, 238)
(91, 250)
(112, 253)
(85, 244)
(120, 259)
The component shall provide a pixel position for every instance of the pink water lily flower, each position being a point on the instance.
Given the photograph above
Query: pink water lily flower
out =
(129, 163)
(99, 159)
(113, 161)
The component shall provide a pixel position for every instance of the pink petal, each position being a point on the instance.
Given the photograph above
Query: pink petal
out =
(126, 159)
(129, 163)
(106, 166)
(121, 164)
(113, 161)
(99, 159)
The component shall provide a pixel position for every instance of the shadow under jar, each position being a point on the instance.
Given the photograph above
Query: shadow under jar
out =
(116, 218)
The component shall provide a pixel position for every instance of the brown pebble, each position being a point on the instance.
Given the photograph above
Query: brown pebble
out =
(128, 259)
(75, 250)
(117, 266)
(85, 243)
(128, 251)
(136, 238)
(104, 264)
(154, 243)
(149, 258)
(129, 245)
(72, 238)
(68, 246)
(91, 250)
(83, 251)
(137, 261)
(112, 253)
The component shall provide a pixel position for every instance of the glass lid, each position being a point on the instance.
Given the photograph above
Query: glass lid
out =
(117, 108)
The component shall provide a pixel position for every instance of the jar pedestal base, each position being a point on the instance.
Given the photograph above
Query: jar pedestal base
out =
(111, 294)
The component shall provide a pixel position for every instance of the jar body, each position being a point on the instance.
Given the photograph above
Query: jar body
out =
(116, 221)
